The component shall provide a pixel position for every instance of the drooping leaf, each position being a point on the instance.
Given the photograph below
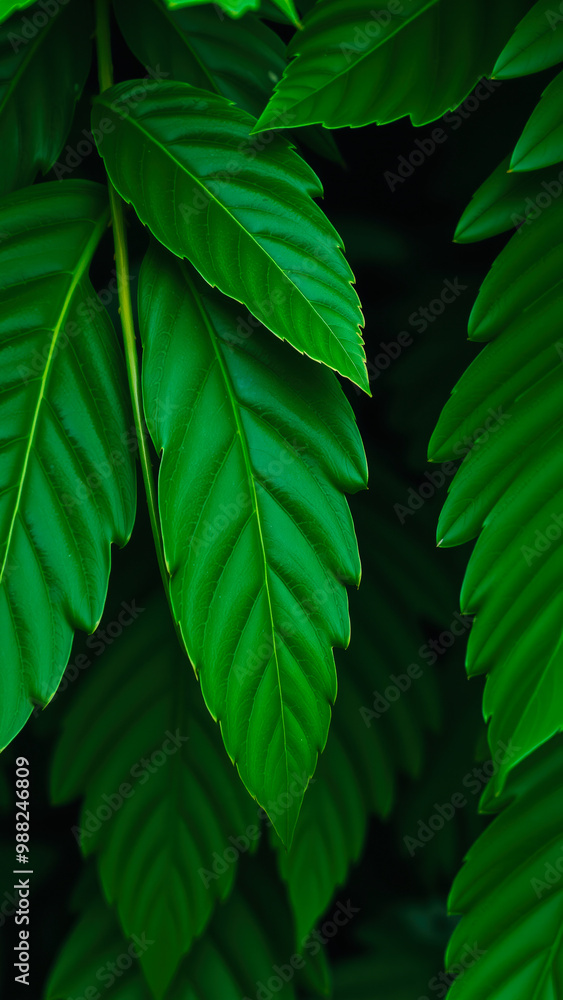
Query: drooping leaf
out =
(354, 64)
(509, 891)
(139, 744)
(192, 45)
(248, 937)
(68, 485)
(535, 44)
(505, 417)
(371, 738)
(541, 142)
(42, 72)
(258, 538)
(243, 216)
(508, 200)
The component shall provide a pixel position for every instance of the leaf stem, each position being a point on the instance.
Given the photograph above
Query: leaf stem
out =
(105, 76)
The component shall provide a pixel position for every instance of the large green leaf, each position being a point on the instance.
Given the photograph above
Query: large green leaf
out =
(162, 850)
(243, 216)
(371, 738)
(535, 44)
(354, 64)
(258, 537)
(509, 892)
(507, 200)
(42, 72)
(67, 487)
(192, 45)
(541, 142)
(505, 417)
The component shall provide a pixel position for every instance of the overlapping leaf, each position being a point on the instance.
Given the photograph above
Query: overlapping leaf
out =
(192, 45)
(247, 939)
(139, 722)
(7, 7)
(541, 142)
(235, 8)
(371, 739)
(244, 216)
(42, 72)
(510, 891)
(355, 64)
(258, 536)
(535, 44)
(68, 487)
(505, 416)
(508, 200)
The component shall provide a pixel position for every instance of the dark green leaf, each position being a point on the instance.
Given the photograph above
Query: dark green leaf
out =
(535, 44)
(140, 726)
(42, 72)
(541, 142)
(355, 64)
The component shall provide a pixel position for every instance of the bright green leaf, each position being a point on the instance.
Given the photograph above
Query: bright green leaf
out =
(68, 485)
(354, 64)
(234, 8)
(54, 63)
(240, 209)
(510, 892)
(138, 722)
(8, 7)
(505, 420)
(541, 142)
(258, 537)
(535, 44)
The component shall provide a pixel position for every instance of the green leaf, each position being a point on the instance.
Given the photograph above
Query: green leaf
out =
(535, 44)
(223, 965)
(371, 739)
(354, 64)
(234, 8)
(541, 142)
(243, 215)
(258, 537)
(139, 742)
(505, 417)
(193, 46)
(509, 891)
(507, 200)
(41, 78)
(68, 485)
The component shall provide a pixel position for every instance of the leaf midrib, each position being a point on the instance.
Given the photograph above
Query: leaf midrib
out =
(81, 268)
(333, 339)
(250, 476)
(348, 68)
